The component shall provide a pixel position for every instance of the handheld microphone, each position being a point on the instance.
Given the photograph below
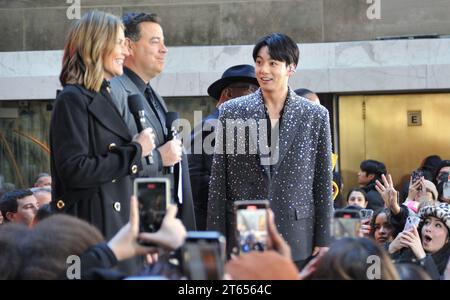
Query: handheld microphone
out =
(136, 106)
(171, 117)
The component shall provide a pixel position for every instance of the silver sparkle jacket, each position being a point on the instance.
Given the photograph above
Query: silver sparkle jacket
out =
(298, 185)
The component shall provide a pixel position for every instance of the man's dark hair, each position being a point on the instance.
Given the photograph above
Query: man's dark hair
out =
(8, 203)
(430, 163)
(43, 212)
(303, 92)
(280, 47)
(131, 22)
(371, 166)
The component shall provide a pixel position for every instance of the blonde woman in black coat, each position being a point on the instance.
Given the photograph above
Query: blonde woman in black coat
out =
(93, 154)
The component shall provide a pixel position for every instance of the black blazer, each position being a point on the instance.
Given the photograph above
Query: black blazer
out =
(92, 159)
(200, 167)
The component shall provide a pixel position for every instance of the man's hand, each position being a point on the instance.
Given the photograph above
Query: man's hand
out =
(311, 266)
(146, 138)
(171, 152)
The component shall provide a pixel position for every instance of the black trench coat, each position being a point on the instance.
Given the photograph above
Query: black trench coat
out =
(93, 159)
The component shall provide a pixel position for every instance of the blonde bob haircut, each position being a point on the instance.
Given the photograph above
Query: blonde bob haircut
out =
(89, 40)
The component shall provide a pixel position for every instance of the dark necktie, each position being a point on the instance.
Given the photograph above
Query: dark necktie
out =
(159, 111)
(155, 105)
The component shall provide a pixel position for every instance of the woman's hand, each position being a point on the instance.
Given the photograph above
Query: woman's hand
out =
(364, 230)
(413, 189)
(172, 233)
(124, 244)
(396, 245)
(388, 193)
(412, 240)
(170, 236)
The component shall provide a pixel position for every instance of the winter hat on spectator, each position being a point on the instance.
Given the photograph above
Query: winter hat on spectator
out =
(440, 211)
(430, 187)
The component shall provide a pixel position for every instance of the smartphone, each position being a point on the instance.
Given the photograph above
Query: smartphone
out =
(345, 223)
(411, 221)
(203, 255)
(153, 195)
(416, 175)
(251, 225)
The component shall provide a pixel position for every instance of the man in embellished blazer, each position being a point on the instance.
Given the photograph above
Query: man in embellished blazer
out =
(274, 145)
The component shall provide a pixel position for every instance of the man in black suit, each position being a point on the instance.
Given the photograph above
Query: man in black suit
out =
(147, 51)
(236, 81)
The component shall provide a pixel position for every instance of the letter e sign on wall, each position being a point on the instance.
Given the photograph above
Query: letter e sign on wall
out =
(414, 117)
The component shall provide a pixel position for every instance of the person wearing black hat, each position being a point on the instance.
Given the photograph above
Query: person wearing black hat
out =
(235, 82)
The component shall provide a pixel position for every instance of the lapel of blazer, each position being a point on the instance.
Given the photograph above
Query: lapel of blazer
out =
(150, 116)
(290, 124)
(107, 114)
(258, 114)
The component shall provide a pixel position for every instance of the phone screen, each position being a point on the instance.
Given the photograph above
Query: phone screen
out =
(411, 221)
(203, 261)
(203, 256)
(416, 175)
(346, 223)
(153, 200)
(251, 225)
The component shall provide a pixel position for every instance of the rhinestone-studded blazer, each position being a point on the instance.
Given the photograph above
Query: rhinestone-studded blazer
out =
(298, 184)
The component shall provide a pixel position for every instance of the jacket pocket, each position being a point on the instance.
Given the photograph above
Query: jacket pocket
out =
(299, 213)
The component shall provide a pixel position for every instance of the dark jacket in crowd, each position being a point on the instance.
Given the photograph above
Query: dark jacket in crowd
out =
(98, 263)
(374, 199)
(398, 221)
(200, 167)
(407, 256)
(93, 159)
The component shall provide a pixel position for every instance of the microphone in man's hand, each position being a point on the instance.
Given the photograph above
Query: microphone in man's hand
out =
(171, 117)
(136, 106)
